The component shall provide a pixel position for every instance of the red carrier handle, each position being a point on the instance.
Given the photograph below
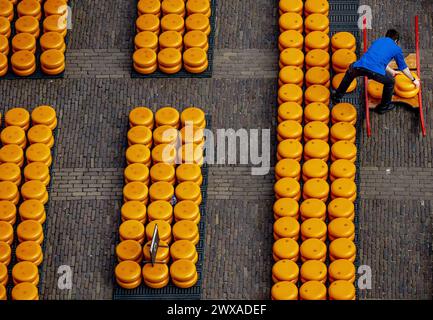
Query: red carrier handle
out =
(418, 66)
(367, 108)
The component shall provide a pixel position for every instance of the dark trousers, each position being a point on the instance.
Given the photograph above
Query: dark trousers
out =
(387, 81)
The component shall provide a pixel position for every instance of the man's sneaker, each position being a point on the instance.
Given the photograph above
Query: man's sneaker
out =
(335, 98)
(381, 109)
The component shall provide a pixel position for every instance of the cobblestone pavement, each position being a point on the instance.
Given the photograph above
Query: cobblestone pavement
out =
(93, 102)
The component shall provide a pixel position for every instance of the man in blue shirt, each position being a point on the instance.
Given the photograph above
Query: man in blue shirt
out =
(374, 65)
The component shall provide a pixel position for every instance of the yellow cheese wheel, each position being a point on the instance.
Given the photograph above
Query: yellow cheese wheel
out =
(342, 290)
(149, 7)
(44, 115)
(317, 58)
(291, 21)
(56, 23)
(165, 134)
(3, 64)
(343, 131)
(128, 271)
(195, 57)
(164, 153)
(287, 188)
(182, 270)
(4, 45)
(284, 290)
(312, 290)
(55, 7)
(147, 22)
(344, 150)
(336, 81)
(131, 230)
(290, 149)
(285, 270)
(183, 249)
(314, 168)
(342, 248)
(317, 111)
(341, 228)
(287, 168)
(5, 253)
(141, 116)
(161, 190)
(170, 39)
(344, 112)
(343, 40)
(407, 94)
(173, 22)
(12, 153)
(140, 135)
(192, 134)
(155, 273)
(25, 271)
(291, 57)
(52, 40)
(188, 172)
(342, 59)
(313, 249)
(29, 8)
(313, 229)
(40, 133)
(24, 41)
(286, 227)
(341, 270)
(173, 6)
(3, 274)
(286, 207)
(25, 291)
(31, 210)
(313, 270)
(317, 22)
(29, 251)
(27, 24)
(289, 129)
(137, 172)
(186, 284)
(160, 210)
(291, 74)
(316, 40)
(316, 130)
(317, 76)
(6, 232)
(144, 57)
(8, 190)
(162, 255)
(138, 153)
(5, 26)
(290, 39)
(10, 172)
(164, 230)
(403, 83)
(316, 149)
(291, 6)
(316, 189)
(129, 250)
(23, 60)
(6, 9)
(344, 188)
(187, 190)
(8, 211)
(135, 191)
(19, 117)
(133, 210)
(316, 6)
(190, 153)
(186, 210)
(317, 93)
(52, 59)
(170, 70)
(196, 38)
(198, 21)
(342, 168)
(30, 230)
(285, 248)
(375, 89)
(162, 172)
(290, 111)
(290, 92)
(33, 189)
(193, 115)
(146, 39)
(198, 6)
(167, 116)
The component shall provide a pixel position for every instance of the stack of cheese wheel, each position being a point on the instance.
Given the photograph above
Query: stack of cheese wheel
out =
(343, 40)
(52, 62)
(405, 88)
(318, 76)
(291, 21)
(4, 45)
(317, 58)
(155, 276)
(375, 89)
(8, 212)
(24, 41)
(7, 9)
(316, 40)
(180, 25)
(23, 63)
(5, 27)
(128, 274)
(316, 6)
(291, 57)
(290, 39)
(183, 273)
(25, 291)
(317, 22)
(195, 60)
(6, 232)
(4, 66)
(162, 255)
(291, 74)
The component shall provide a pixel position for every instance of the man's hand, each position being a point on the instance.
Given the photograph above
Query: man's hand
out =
(417, 83)
(394, 73)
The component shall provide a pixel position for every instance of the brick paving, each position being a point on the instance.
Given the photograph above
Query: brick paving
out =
(93, 102)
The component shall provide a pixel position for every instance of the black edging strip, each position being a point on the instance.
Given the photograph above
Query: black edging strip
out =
(171, 292)
(183, 73)
(38, 74)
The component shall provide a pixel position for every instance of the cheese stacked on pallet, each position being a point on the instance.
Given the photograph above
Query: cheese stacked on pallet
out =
(168, 28)
(153, 169)
(32, 215)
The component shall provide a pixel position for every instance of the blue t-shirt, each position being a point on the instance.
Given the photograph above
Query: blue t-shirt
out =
(380, 54)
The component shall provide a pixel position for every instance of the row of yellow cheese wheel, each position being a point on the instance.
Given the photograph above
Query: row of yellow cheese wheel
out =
(177, 225)
(23, 45)
(33, 165)
(163, 44)
(404, 88)
(313, 230)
